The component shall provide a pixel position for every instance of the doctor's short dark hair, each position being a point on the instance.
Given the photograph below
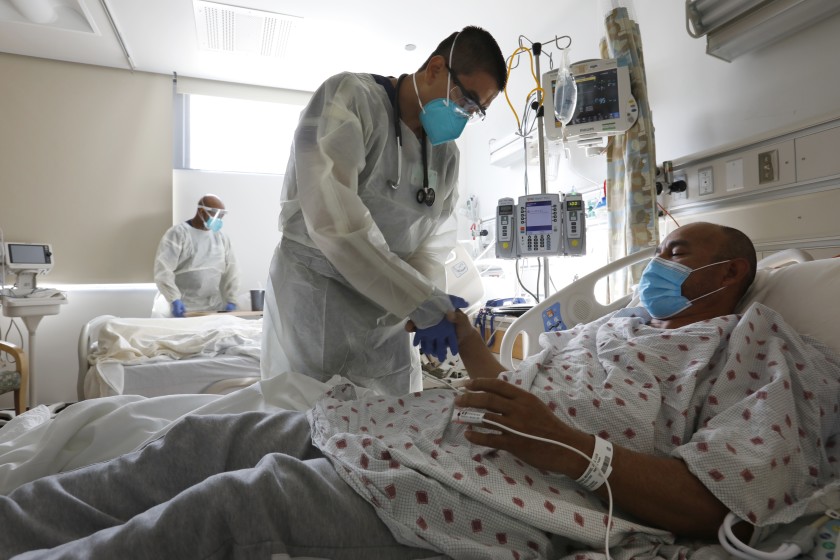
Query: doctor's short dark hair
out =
(475, 50)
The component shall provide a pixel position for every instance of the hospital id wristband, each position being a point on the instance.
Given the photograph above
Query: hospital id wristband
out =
(600, 465)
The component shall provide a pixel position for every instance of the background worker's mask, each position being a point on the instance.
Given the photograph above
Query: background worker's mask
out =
(660, 288)
(213, 221)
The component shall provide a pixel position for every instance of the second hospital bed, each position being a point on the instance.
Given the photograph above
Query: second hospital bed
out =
(150, 357)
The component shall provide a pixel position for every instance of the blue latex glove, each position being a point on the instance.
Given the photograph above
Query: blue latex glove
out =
(178, 308)
(434, 341)
(458, 302)
(230, 306)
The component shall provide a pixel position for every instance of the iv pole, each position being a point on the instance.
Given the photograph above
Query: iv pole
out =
(537, 48)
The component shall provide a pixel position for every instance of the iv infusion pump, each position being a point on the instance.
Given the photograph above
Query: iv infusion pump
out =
(540, 225)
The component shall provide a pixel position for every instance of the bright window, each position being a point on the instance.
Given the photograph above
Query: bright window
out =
(239, 135)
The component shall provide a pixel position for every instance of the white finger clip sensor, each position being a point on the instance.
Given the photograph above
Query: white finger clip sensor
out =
(467, 416)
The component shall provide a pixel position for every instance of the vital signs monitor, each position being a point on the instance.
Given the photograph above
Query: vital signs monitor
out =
(605, 104)
(540, 225)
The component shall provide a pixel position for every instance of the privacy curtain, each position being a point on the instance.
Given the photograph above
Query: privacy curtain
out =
(631, 159)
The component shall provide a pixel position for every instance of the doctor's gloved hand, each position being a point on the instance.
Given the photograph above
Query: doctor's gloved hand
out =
(458, 302)
(434, 341)
(178, 308)
(230, 306)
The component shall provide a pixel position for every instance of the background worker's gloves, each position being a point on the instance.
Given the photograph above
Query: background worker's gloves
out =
(230, 306)
(434, 341)
(178, 308)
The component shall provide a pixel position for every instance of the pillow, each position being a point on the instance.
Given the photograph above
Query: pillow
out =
(806, 294)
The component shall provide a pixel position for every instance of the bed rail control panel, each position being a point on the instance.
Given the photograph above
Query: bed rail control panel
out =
(540, 225)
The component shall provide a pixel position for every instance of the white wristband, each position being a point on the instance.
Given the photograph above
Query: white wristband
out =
(600, 465)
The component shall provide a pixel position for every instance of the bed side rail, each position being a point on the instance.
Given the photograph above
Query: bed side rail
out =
(577, 304)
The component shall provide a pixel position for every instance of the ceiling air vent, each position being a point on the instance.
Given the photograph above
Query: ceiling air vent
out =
(232, 29)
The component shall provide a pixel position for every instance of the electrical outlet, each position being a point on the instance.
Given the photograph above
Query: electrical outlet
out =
(768, 165)
(680, 195)
(705, 181)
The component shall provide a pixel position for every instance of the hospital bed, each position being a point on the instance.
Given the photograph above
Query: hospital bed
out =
(804, 291)
(214, 354)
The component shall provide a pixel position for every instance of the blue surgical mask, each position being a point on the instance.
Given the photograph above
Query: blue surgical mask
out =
(442, 119)
(660, 288)
(213, 223)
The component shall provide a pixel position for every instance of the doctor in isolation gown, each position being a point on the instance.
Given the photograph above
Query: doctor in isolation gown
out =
(357, 256)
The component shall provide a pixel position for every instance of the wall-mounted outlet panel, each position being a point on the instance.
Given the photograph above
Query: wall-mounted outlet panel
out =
(679, 197)
(705, 181)
(768, 167)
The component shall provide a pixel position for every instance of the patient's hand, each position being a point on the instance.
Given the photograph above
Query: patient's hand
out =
(516, 408)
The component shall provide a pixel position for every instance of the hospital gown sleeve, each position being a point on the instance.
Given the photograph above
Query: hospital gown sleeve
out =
(172, 245)
(230, 277)
(330, 150)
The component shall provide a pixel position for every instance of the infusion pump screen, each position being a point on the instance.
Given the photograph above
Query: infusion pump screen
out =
(597, 97)
(538, 216)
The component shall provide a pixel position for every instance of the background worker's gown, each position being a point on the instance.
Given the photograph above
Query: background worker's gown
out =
(196, 266)
(357, 256)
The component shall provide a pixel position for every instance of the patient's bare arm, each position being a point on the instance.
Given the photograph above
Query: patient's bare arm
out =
(660, 491)
(477, 357)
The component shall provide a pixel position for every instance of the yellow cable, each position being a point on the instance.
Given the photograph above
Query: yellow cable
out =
(533, 75)
(507, 98)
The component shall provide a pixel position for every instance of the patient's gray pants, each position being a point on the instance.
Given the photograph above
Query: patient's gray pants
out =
(227, 486)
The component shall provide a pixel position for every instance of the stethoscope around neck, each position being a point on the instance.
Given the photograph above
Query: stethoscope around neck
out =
(426, 195)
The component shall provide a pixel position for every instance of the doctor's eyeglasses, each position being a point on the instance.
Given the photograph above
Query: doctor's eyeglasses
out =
(466, 101)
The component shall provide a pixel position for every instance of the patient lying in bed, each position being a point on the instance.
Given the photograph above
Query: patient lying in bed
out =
(707, 412)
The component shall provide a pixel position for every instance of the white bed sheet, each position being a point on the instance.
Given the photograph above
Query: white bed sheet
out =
(32, 445)
(154, 379)
(154, 357)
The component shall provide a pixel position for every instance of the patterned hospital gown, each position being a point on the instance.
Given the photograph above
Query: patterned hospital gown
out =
(749, 405)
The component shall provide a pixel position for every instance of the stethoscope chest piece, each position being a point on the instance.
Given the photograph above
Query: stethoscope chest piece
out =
(426, 195)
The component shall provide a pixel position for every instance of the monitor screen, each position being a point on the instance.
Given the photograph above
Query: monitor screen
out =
(597, 97)
(28, 256)
(538, 216)
(605, 104)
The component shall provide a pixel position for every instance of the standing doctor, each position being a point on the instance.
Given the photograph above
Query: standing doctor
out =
(367, 218)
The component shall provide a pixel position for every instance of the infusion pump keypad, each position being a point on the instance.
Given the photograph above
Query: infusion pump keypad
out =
(545, 242)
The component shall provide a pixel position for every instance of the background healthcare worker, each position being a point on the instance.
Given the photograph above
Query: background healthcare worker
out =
(195, 268)
(367, 218)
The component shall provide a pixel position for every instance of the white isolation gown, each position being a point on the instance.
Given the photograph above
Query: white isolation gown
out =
(357, 256)
(196, 266)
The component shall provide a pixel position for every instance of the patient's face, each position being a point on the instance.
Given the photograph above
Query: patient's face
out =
(695, 245)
